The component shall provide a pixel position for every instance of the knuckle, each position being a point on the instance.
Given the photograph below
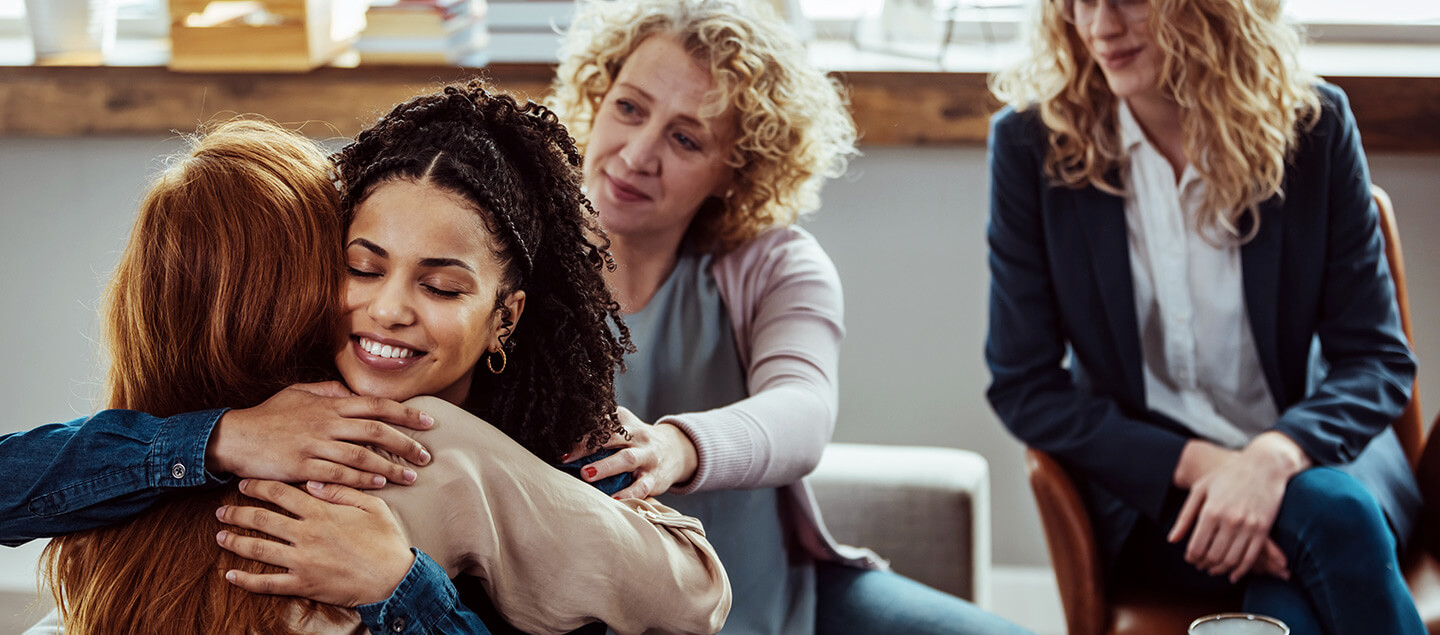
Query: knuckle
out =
(356, 455)
(374, 430)
(257, 549)
(376, 404)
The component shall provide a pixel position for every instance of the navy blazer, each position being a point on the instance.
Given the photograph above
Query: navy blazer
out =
(1317, 289)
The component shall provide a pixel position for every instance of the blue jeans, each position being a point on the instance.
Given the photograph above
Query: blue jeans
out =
(1344, 574)
(850, 600)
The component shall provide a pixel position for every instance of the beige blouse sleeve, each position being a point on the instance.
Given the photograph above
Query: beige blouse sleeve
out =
(554, 552)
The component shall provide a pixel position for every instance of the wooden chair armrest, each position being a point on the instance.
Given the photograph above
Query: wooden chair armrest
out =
(1073, 550)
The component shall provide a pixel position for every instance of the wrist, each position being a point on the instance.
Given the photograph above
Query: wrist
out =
(1197, 459)
(215, 461)
(685, 450)
(393, 571)
(1278, 453)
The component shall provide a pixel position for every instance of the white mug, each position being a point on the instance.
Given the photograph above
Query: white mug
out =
(1238, 624)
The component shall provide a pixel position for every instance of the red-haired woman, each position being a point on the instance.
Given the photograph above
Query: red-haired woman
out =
(458, 297)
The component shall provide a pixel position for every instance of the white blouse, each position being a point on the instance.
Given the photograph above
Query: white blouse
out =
(1201, 365)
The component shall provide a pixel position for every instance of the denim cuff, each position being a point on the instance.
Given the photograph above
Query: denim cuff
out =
(424, 596)
(177, 454)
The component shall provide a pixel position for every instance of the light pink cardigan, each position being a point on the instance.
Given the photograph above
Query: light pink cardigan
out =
(787, 311)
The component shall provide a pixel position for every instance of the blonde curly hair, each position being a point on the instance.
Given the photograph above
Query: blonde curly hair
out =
(1229, 64)
(793, 122)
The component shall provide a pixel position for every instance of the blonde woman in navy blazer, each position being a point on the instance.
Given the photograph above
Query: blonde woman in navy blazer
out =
(1300, 518)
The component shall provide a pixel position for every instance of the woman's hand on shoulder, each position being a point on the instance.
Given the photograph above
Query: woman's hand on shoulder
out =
(318, 432)
(345, 547)
(659, 455)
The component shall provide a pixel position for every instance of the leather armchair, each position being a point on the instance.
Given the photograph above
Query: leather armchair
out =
(1093, 609)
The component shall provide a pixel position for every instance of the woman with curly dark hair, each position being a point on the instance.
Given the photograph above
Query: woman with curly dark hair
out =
(545, 380)
(472, 274)
(517, 167)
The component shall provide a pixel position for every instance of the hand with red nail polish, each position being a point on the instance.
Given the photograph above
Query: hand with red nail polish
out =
(658, 455)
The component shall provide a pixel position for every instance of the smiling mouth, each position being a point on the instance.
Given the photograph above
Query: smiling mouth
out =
(1119, 58)
(385, 351)
(625, 191)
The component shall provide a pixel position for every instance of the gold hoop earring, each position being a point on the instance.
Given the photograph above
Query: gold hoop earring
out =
(490, 362)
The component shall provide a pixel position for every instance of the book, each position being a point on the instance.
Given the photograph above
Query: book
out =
(423, 32)
(529, 15)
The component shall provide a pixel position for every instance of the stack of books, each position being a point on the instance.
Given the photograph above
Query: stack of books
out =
(424, 32)
(527, 30)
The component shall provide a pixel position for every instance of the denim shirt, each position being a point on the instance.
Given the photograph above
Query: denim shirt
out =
(97, 470)
(114, 465)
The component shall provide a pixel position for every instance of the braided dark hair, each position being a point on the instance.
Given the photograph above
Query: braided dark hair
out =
(519, 167)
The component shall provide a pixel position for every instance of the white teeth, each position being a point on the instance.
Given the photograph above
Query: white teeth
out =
(385, 350)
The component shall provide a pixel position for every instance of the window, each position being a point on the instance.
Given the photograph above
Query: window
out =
(1326, 20)
(135, 18)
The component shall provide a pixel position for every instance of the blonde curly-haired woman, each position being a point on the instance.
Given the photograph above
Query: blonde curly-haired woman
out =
(706, 133)
(1186, 214)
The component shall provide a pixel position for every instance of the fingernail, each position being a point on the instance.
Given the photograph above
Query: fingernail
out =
(222, 537)
(409, 475)
(230, 575)
(565, 458)
(424, 456)
(589, 471)
(314, 486)
(378, 481)
(426, 420)
(220, 513)
(244, 484)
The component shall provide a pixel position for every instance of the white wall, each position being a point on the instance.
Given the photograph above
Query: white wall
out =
(905, 228)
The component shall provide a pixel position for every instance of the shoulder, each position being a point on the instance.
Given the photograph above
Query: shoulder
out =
(1334, 110)
(793, 240)
(453, 424)
(1333, 99)
(776, 251)
(1011, 127)
(783, 267)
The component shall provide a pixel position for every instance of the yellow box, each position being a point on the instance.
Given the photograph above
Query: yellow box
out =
(262, 35)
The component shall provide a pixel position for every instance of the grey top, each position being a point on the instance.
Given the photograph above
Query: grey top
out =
(685, 361)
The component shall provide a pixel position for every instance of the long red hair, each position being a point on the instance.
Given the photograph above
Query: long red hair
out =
(225, 294)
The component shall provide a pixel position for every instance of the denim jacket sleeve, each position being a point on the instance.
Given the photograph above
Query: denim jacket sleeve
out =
(98, 470)
(424, 602)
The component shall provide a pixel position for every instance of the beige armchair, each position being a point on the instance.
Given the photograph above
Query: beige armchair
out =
(926, 509)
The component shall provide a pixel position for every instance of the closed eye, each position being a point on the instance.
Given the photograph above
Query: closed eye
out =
(356, 273)
(442, 293)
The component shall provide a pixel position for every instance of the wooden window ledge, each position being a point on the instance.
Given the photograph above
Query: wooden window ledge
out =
(892, 107)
